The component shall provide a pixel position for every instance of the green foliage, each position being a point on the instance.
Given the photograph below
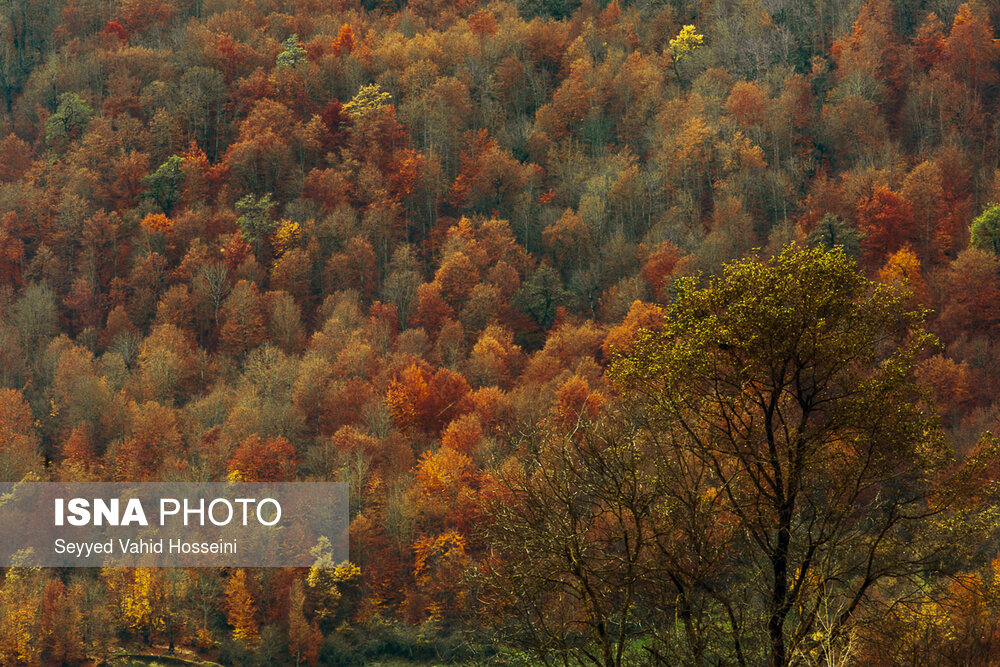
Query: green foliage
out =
(542, 293)
(984, 233)
(69, 120)
(35, 314)
(789, 385)
(292, 52)
(832, 232)
(255, 221)
(556, 9)
(163, 185)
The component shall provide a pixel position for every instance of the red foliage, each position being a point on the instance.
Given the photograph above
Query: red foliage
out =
(113, 27)
(483, 23)
(746, 103)
(259, 460)
(11, 251)
(659, 266)
(886, 219)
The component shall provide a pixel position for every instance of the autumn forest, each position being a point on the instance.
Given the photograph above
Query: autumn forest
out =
(644, 332)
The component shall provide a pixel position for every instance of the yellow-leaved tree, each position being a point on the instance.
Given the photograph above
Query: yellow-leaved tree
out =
(683, 45)
(368, 98)
(241, 612)
(327, 584)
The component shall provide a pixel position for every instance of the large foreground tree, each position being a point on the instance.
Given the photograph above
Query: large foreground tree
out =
(767, 479)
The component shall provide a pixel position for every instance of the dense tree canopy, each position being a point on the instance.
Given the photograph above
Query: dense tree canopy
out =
(557, 274)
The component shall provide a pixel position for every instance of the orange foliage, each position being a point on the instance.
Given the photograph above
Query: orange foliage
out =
(483, 23)
(422, 400)
(747, 103)
(640, 316)
(576, 403)
(462, 434)
(887, 221)
(970, 53)
(157, 223)
(18, 440)
(258, 460)
(11, 251)
(929, 41)
(658, 269)
(902, 269)
(153, 434)
(344, 43)
(439, 566)
(432, 310)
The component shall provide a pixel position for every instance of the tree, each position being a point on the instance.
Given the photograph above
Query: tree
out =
(20, 611)
(17, 158)
(929, 41)
(243, 318)
(257, 460)
(369, 98)
(164, 184)
(292, 52)
(984, 233)
(683, 45)
(970, 53)
(241, 610)
(19, 443)
(922, 188)
(581, 506)
(833, 231)
(421, 400)
(970, 294)
(61, 629)
(541, 294)
(789, 385)
(153, 435)
(69, 120)
(328, 583)
(344, 43)
(304, 638)
(886, 220)
(255, 221)
(142, 599)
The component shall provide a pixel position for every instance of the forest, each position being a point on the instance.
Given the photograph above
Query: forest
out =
(644, 332)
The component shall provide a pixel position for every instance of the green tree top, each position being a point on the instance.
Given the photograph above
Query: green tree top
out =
(255, 221)
(984, 232)
(70, 118)
(292, 53)
(164, 183)
(833, 231)
(785, 388)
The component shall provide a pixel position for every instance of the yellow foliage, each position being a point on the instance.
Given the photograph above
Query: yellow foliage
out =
(240, 609)
(438, 565)
(686, 41)
(19, 615)
(903, 270)
(369, 98)
(346, 572)
(285, 236)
